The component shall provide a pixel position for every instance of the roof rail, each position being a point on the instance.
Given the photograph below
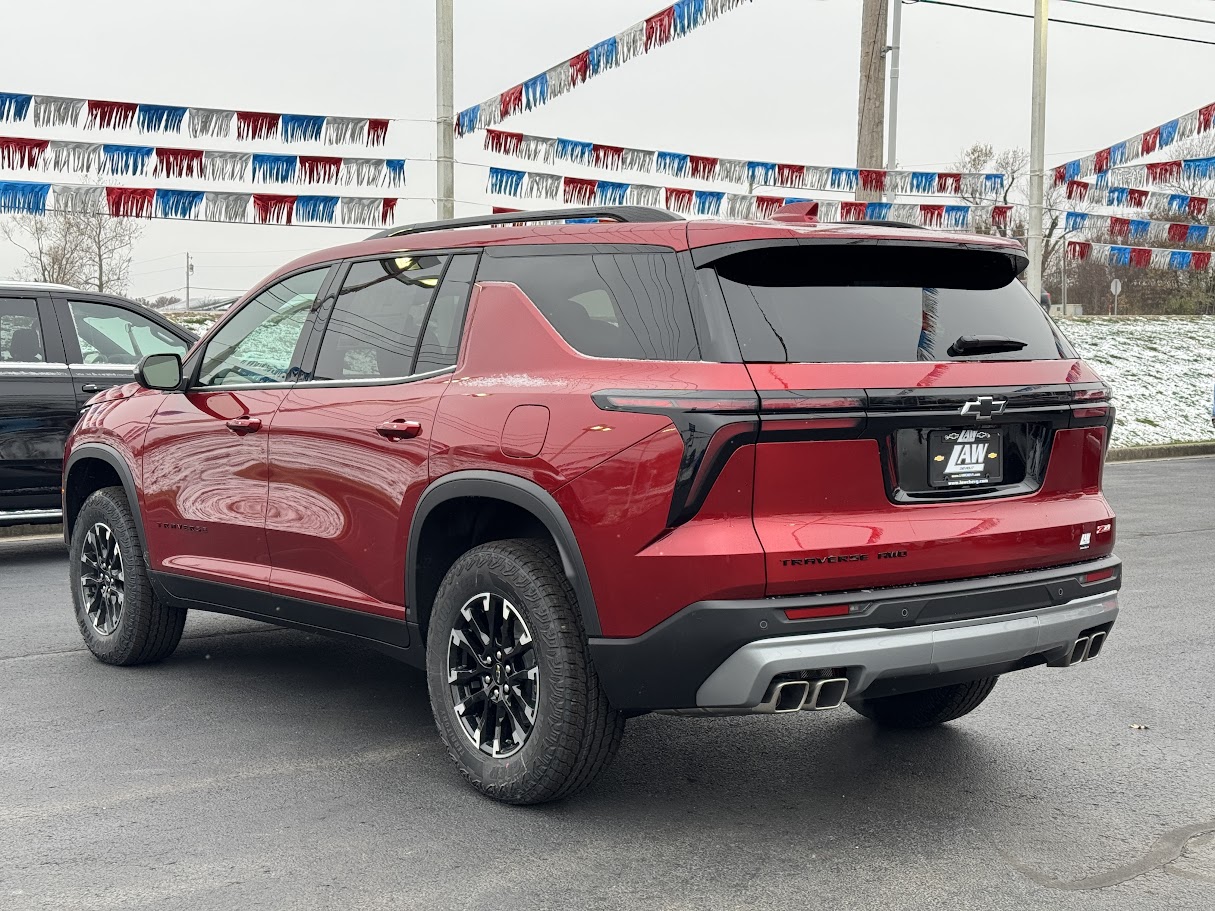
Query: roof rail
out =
(632, 214)
(882, 223)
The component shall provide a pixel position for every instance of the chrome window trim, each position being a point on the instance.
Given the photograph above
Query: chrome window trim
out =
(325, 384)
(31, 365)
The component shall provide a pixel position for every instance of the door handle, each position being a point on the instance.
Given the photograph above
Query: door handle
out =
(399, 429)
(241, 426)
(93, 387)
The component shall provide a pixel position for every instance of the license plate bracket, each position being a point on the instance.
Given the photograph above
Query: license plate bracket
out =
(967, 457)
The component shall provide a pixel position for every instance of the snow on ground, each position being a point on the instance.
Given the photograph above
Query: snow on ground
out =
(1162, 369)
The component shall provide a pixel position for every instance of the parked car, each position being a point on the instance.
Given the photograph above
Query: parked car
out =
(58, 348)
(581, 472)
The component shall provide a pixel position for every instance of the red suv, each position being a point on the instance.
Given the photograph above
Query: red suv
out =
(584, 471)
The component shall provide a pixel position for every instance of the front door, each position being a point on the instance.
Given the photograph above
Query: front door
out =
(205, 456)
(37, 408)
(349, 446)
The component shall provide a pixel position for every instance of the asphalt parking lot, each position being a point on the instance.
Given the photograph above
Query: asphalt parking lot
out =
(272, 769)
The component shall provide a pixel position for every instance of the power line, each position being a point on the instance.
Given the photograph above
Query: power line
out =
(1107, 28)
(1141, 12)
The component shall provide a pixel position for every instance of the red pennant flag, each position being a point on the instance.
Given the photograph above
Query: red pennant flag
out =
(1077, 189)
(999, 216)
(1151, 139)
(579, 67)
(111, 115)
(766, 206)
(1177, 233)
(1137, 198)
(1079, 249)
(949, 183)
(851, 210)
(875, 181)
(606, 156)
(579, 190)
(512, 101)
(679, 200)
(1163, 171)
(503, 143)
(703, 168)
(319, 169)
(388, 210)
(931, 215)
(1101, 161)
(1141, 257)
(1120, 227)
(271, 208)
(21, 153)
(179, 162)
(130, 202)
(1205, 116)
(1200, 261)
(660, 28)
(1197, 206)
(256, 125)
(791, 175)
(1060, 176)
(377, 131)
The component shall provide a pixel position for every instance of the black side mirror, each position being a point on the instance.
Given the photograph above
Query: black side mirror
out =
(159, 371)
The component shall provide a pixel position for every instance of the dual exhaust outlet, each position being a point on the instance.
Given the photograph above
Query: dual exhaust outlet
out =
(1085, 648)
(803, 695)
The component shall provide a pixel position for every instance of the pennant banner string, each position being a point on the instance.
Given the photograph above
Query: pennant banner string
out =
(1137, 198)
(1140, 257)
(1139, 229)
(662, 28)
(728, 170)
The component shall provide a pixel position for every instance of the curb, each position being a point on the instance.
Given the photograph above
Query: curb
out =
(30, 531)
(1161, 451)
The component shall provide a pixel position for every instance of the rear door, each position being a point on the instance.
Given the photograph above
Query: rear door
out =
(922, 418)
(37, 407)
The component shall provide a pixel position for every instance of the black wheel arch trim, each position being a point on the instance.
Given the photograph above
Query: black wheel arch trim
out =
(114, 459)
(519, 492)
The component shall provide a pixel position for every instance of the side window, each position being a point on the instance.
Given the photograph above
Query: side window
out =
(257, 345)
(20, 334)
(374, 327)
(113, 335)
(618, 305)
(441, 339)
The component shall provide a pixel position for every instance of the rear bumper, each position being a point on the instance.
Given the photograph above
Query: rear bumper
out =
(724, 654)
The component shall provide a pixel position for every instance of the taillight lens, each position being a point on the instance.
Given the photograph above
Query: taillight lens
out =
(1091, 393)
(1099, 575)
(665, 401)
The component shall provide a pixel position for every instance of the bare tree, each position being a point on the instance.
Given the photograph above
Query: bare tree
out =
(88, 248)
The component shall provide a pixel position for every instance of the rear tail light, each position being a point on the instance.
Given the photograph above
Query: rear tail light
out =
(663, 401)
(1091, 400)
(1099, 575)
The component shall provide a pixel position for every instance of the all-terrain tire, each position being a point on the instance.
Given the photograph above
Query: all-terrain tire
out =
(926, 708)
(575, 732)
(146, 630)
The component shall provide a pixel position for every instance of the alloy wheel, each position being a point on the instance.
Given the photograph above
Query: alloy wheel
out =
(102, 581)
(492, 673)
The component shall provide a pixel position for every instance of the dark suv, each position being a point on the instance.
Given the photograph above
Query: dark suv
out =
(58, 348)
(580, 472)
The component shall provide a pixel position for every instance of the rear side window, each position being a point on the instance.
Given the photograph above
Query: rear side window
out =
(866, 303)
(618, 305)
(20, 334)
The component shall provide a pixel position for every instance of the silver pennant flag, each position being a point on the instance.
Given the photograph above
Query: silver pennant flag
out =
(640, 160)
(53, 111)
(89, 200)
(82, 157)
(361, 210)
(542, 186)
(631, 43)
(211, 122)
(538, 148)
(642, 195)
(341, 130)
(740, 206)
(367, 172)
(731, 170)
(226, 165)
(228, 206)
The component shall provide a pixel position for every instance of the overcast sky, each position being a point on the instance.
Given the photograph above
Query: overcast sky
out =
(774, 80)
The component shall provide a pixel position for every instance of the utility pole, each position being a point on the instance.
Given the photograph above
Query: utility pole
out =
(1037, 150)
(189, 272)
(896, 42)
(871, 107)
(445, 108)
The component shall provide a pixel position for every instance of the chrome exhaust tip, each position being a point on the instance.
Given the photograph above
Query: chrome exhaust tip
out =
(1095, 642)
(1079, 651)
(827, 694)
(784, 697)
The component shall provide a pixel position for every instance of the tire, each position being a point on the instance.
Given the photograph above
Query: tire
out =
(133, 628)
(926, 708)
(515, 590)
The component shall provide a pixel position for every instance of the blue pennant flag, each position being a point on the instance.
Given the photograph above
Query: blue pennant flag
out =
(1179, 260)
(1168, 132)
(395, 167)
(1102, 180)
(844, 178)
(14, 107)
(1198, 167)
(761, 173)
(1071, 170)
(957, 216)
(274, 168)
(1118, 153)
(993, 183)
(575, 151)
(603, 56)
(877, 211)
(535, 91)
(708, 202)
(1075, 221)
(672, 163)
(1118, 196)
(159, 118)
(1197, 234)
(790, 200)
(23, 196)
(178, 203)
(923, 181)
(466, 122)
(127, 159)
(315, 208)
(1139, 227)
(688, 15)
(301, 127)
(506, 182)
(1179, 202)
(1120, 256)
(608, 193)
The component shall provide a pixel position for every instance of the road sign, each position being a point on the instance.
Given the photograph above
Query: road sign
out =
(1116, 287)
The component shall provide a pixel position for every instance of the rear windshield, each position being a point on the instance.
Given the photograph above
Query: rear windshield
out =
(858, 303)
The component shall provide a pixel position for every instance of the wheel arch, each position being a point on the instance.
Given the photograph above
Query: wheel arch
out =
(514, 492)
(80, 468)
